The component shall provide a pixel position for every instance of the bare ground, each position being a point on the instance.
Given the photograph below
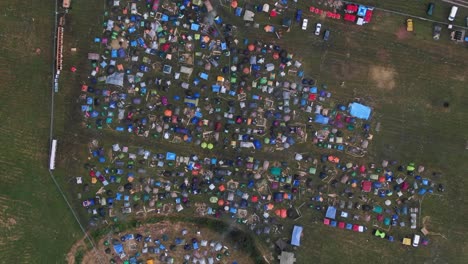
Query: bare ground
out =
(156, 230)
(383, 77)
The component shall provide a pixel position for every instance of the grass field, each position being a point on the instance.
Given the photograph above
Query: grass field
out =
(405, 77)
(35, 224)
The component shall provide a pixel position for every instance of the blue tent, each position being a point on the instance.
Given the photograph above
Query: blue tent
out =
(118, 249)
(195, 27)
(204, 76)
(170, 156)
(257, 144)
(296, 236)
(321, 119)
(278, 197)
(331, 212)
(238, 11)
(360, 111)
(362, 11)
(215, 88)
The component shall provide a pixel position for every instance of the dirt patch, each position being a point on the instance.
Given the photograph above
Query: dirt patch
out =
(384, 77)
(402, 33)
(157, 231)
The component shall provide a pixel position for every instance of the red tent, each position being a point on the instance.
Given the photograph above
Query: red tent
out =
(311, 9)
(368, 16)
(273, 13)
(404, 186)
(366, 186)
(356, 228)
(341, 225)
(351, 8)
(326, 221)
(380, 217)
(349, 17)
(165, 47)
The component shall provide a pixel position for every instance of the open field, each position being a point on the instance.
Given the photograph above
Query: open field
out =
(405, 77)
(35, 224)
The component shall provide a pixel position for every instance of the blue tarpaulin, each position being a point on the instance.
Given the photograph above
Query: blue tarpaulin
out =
(331, 212)
(360, 111)
(296, 236)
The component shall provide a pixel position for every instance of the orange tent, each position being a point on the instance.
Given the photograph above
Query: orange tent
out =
(382, 179)
(251, 47)
(269, 206)
(222, 188)
(168, 112)
(246, 70)
(283, 213)
(234, 4)
(206, 39)
(220, 202)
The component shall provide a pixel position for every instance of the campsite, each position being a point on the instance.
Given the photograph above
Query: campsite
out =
(229, 112)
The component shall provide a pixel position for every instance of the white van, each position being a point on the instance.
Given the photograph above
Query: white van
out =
(453, 13)
(416, 239)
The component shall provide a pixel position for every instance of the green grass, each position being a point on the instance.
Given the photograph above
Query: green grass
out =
(36, 225)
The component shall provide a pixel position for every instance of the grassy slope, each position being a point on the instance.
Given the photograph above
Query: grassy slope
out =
(40, 227)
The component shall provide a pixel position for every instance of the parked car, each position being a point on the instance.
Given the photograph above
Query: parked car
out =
(416, 239)
(304, 23)
(409, 25)
(326, 35)
(430, 9)
(318, 27)
(453, 13)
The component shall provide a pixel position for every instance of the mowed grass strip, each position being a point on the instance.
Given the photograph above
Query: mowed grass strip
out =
(36, 225)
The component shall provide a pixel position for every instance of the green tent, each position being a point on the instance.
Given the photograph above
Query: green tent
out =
(275, 171)
(378, 209)
(210, 146)
(204, 145)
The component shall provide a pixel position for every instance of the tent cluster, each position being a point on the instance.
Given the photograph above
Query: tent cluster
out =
(178, 77)
(176, 246)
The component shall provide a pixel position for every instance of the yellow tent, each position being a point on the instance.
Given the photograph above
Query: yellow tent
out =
(149, 261)
(407, 241)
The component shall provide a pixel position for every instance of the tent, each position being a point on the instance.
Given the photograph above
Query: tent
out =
(350, 17)
(296, 236)
(170, 156)
(331, 212)
(118, 249)
(321, 119)
(366, 186)
(360, 111)
(275, 171)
